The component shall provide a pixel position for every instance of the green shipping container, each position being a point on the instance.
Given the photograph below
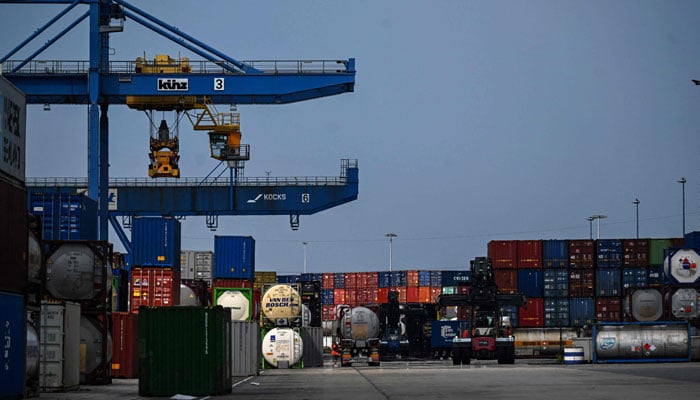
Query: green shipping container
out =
(184, 350)
(656, 251)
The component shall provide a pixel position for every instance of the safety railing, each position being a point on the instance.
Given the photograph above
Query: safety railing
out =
(194, 67)
(190, 182)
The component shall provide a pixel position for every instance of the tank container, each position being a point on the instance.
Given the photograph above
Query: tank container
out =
(685, 303)
(13, 237)
(60, 346)
(234, 257)
(155, 242)
(639, 341)
(95, 350)
(542, 341)
(609, 253)
(681, 266)
(282, 347)
(77, 271)
(281, 302)
(239, 301)
(184, 350)
(12, 354)
(647, 305)
(360, 324)
(188, 297)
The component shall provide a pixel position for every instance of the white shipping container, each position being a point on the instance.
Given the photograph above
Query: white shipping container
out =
(187, 258)
(59, 365)
(13, 132)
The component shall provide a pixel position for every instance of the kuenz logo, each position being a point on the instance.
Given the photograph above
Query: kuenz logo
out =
(172, 85)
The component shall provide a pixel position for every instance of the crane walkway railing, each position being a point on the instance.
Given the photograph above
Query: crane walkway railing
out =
(193, 67)
(190, 182)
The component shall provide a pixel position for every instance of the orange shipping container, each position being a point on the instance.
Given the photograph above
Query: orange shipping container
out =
(424, 294)
(402, 293)
(383, 295)
(412, 278)
(412, 295)
(339, 296)
(435, 292)
(328, 281)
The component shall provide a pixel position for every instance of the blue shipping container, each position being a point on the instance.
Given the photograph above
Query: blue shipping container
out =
(456, 278)
(555, 253)
(609, 253)
(435, 278)
(692, 240)
(582, 311)
(311, 277)
(607, 282)
(442, 332)
(531, 282)
(384, 280)
(288, 278)
(234, 257)
(327, 296)
(399, 278)
(339, 280)
(512, 313)
(12, 354)
(423, 278)
(634, 277)
(65, 216)
(556, 312)
(155, 242)
(556, 282)
(655, 276)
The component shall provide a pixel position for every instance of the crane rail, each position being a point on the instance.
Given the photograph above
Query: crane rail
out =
(274, 67)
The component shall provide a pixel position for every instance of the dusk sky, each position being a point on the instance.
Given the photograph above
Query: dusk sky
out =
(471, 121)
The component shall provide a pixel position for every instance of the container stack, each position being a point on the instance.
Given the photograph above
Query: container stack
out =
(65, 216)
(234, 275)
(281, 321)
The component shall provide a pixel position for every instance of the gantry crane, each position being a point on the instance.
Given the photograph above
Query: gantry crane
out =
(101, 82)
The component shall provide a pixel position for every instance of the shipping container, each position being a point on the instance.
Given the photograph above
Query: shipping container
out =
(155, 241)
(581, 282)
(503, 253)
(312, 348)
(412, 278)
(339, 296)
(456, 278)
(328, 311)
(532, 316)
(403, 293)
(645, 305)
(13, 131)
(635, 277)
(383, 295)
(184, 350)
(636, 252)
(234, 257)
(581, 253)
(608, 282)
(369, 280)
(13, 237)
(13, 324)
(125, 350)
(655, 276)
(328, 281)
(65, 216)
(555, 253)
(79, 270)
(582, 311)
(96, 347)
(657, 247)
(556, 282)
(327, 296)
(609, 253)
(506, 280)
(339, 280)
(556, 312)
(531, 282)
(187, 264)
(443, 332)
(238, 301)
(288, 278)
(351, 280)
(608, 309)
(60, 346)
(682, 266)
(154, 287)
(412, 295)
(351, 297)
(383, 277)
(245, 348)
(512, 313)
(690, 241)
(435, 292)
(399, 279)
(197, 292)
(232, 283)
(529, 254)
(311, 277)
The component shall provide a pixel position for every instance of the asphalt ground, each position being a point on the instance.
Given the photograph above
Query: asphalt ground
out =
(401, 380)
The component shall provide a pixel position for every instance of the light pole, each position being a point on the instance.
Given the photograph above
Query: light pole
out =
(590, 226)
(682, 181)
(391, 236)
(636, 203)
(598, 217)
(305, 243)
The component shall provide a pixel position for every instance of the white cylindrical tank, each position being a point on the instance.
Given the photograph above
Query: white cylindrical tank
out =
(682, 266)
(634, 341)
(73, 272)
(33, 257)
(359, 323)
(282, 345)
(237, 302)
(647, 305)
(281, 301)
(91, 337)
(188, 297)
(684, 303)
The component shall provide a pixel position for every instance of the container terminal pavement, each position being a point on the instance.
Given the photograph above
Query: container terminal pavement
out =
(526, 379)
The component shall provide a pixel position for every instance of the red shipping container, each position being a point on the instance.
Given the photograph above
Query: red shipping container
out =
(464, 289)
(232, 283)
(435, 292)
(635, 252)
(412, 278)
(412, 295)
(339, 296)
(367, 296)
(608, 309)
(154, 287)
(328, 312)
(125, 345)
(403, 291)
(368, 280)
(529, 254)
(383, 295)
(503, 253)
(350, 280)
(506, 280)
(582, 253)
(424, 294)
(533, 315)
(581, 282)
(351, 297)
(328, 281)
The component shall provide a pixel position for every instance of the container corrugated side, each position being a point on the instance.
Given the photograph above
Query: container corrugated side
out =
(14, 236)
(581, 282)
(582, 311)
(635, 277)
(156, 241)
(60, 360)
(506, 280)
(608, 253)
(13, 131)
(581, 254)
(125, 354)
(245, 348)
(65, 216)
(555, 253)
(636, 252)
(234, 257)
(531, 282)
(154, 287)
(532, 316)
(12, 356)
(556, 282)
(608, 282)
(656, 251)
(556, 312)
(312, 337)
(184, 350)
(529, 254)
(187, 264)
(503, 253)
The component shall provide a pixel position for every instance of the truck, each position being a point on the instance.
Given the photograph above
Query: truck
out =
(357, 333)
(489, 332)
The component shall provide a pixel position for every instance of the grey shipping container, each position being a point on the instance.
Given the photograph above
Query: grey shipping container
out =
(312, 338)
(245, 348)
(13, 131)
(60, 346)
(187, 264)
(184, 350)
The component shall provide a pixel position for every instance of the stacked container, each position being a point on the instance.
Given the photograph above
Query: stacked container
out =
(234, 275)
(65, 216)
